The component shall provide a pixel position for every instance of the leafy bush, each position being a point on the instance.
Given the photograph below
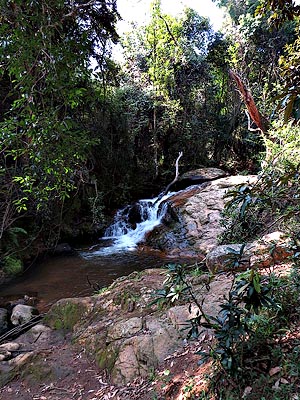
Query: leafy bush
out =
(12, 265)
(273, 201)
(10, 249)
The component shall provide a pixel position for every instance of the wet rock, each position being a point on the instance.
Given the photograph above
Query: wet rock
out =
(197, 177)
(193, 219)
(134, 214)
(22, 313)
(63, 249)
(27, 299)
(3, 320)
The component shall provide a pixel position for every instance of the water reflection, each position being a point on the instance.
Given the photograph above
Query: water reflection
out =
(72, 276)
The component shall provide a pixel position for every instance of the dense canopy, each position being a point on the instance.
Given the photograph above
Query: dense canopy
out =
(82, 134)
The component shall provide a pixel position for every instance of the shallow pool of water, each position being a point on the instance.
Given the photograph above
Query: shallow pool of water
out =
(73, 276)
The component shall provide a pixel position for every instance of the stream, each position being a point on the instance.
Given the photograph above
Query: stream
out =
(115, 255)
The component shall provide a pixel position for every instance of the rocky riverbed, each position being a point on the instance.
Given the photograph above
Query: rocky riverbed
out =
(120, 343)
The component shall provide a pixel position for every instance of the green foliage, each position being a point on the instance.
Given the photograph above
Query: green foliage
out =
(259, 308)
(290, 94)
(177, 285)
(272, 201)
(237, 216)
(247, 297)
(271, 341)
(45, 53)
(282, 10)
(11, 243)
(12, 266)
(279, 12)
(183, 67)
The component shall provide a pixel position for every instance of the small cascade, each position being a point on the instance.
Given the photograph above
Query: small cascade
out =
(131, 224)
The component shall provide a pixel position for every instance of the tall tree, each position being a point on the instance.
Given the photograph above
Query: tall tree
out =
(168, 59)
(45, 55)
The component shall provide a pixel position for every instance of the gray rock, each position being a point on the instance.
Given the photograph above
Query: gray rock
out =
(22, 313)
(125, 329)
(271, 249)
(227, 258)
(180, 316)
(193, 221)
(197, 176)
(9, 346)
(138, 355)
(207, 174)
(38, 335)
(63, 249)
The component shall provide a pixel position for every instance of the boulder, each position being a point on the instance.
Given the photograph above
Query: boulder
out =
(7, 350)
(191, 227)
(9, 346)
(66, 313)
(196, 177)
(180, 316)
(271, 249)
(22, 313)
(141, 353)
(125, 329)
(38, 335)
(63, 249)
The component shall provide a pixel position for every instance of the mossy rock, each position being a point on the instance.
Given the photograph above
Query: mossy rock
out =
(39, 372)
(106, 358)
(66, 313)
(126, 299)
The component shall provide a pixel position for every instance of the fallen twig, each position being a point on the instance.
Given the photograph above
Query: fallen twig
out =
(18, 330)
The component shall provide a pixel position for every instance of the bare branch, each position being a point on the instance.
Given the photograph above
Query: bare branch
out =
(249, 124)
(173, 181)
(169, 31)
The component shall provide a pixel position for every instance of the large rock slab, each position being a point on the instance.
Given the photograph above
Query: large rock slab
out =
(139, 354)
(191, 227)
(196, 177)
(268, 251)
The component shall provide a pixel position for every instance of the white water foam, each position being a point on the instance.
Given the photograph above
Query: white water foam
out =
(121, 233)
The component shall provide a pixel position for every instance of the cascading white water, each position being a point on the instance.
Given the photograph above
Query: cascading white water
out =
(126, 236)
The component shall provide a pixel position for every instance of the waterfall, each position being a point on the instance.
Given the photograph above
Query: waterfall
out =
(131, 224)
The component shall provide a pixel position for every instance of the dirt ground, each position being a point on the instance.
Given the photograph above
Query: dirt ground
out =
(67, 374)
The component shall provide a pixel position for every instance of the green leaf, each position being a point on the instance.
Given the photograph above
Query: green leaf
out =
(256, 283)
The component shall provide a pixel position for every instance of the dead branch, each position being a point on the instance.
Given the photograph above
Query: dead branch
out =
(249, 101)
(169, 31)
(173, 181)
(18, 330)
(176, 173)
(249, 123)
